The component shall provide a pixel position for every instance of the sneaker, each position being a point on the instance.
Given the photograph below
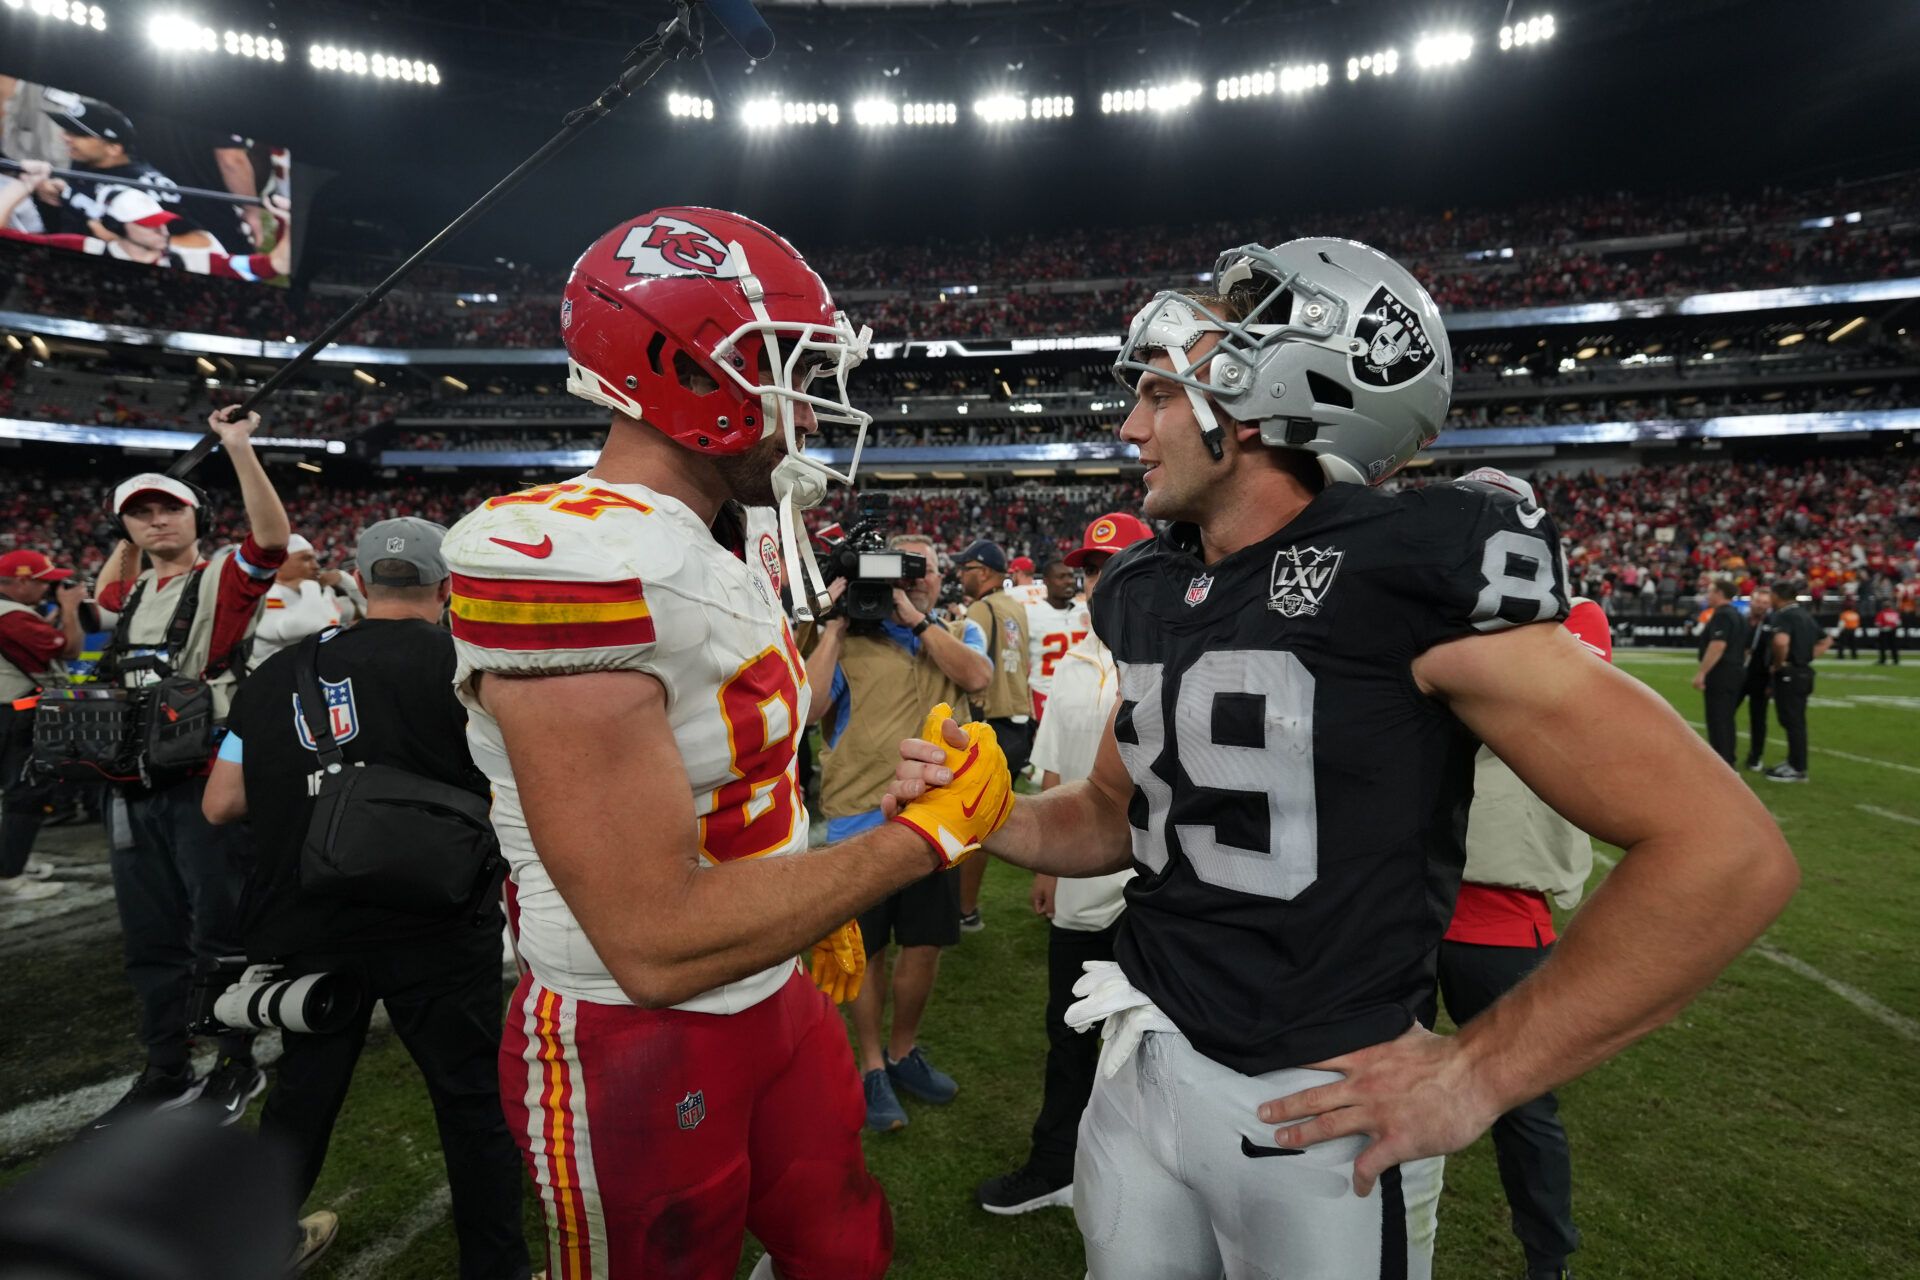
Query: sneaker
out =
(970, 922)
(884, 1112)
(317, 1231)
(37, 869)
(24, 888)
(1755, 766)
(921, 1078)
(155, 1090)
(229, 1087)
(1022, 1191)
(1784, 773)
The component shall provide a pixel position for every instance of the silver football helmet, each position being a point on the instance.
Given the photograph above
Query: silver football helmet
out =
(1343, 355)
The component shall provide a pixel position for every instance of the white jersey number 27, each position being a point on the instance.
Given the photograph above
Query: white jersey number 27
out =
(1280, 769)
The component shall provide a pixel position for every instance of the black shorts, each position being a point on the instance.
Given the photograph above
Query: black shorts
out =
(924, 914)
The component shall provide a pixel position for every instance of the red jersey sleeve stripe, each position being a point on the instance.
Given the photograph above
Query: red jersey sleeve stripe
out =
(527, 637)
(547, 590)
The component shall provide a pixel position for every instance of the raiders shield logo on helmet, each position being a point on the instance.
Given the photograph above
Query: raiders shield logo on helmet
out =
(1398, 348)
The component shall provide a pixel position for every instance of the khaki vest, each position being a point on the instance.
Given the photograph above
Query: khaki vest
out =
(1516, 841)
(15, 683)
(1004, 619)
(891, 692)
(147, 632)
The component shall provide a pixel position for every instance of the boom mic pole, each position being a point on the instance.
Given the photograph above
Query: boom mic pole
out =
(680, 36)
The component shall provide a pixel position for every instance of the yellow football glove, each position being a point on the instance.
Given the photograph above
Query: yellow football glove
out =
(957, 818)
(839, 962)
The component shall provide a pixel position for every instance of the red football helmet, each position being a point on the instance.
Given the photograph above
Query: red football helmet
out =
(702, 285)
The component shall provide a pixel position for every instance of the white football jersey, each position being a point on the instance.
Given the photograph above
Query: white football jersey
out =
(591, 576)
(1050, 633)
(1028, 593)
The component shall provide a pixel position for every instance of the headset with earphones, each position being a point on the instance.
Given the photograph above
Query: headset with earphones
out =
(199, 507)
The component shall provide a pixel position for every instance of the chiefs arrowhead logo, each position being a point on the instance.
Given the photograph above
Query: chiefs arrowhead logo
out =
(674, 247)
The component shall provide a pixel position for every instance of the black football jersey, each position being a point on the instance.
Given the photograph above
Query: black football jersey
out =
(1299, 806)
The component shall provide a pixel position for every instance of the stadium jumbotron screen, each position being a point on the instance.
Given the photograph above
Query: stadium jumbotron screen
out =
(79, 173)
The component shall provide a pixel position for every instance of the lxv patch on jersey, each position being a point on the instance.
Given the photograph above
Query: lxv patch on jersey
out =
(1302, 577)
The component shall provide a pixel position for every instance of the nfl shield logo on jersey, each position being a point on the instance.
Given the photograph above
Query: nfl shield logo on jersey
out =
(692, 1109)
(1302, 576)
(342, 717)
(1198, 588)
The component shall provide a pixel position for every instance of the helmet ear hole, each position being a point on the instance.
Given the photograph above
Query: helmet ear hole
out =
(692, 376)
(1327, 391)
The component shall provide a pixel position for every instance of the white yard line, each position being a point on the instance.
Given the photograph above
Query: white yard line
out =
(378, 1256)
(1844, 755)
(1898, 1022)
(1878, 812)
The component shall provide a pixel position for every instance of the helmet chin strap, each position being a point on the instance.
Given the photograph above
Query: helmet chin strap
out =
(799, 487)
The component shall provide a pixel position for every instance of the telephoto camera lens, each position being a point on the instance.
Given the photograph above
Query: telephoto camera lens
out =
(315, 1003)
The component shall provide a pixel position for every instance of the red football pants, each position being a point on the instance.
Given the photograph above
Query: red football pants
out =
(657, 1138)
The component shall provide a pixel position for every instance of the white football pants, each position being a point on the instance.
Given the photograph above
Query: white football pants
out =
(1164, 1189)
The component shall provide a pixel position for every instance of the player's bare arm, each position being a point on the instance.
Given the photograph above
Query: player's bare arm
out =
(610, 808)
(1705, 871)
(1074, 829)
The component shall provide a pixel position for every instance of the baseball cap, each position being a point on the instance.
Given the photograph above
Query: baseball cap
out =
(31, 564)
(1115, 531)
(90, 116)
(405, 538)
(152, 482)
(1020, 564)
(136, 208)
(987, 553)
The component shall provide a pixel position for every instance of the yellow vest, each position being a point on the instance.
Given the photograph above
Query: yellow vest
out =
(1004, 619)
(890, 691)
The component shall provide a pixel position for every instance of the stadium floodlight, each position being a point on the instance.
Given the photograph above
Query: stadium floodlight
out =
(244, 44)
(1536, 30)
(875, 111)
(883, 112)
(1158, 98)
(180, 33)
(688, 107)
(1050, 106)
(1001, 108)
(80, 15)
(327, 57)
(1443, 49)
(930, 113)
(1383, 63)
(769, 113)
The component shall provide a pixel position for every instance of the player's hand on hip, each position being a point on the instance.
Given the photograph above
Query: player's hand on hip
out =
(1042, 895)
(228, 423)
(952, 787)
(1414, 1095)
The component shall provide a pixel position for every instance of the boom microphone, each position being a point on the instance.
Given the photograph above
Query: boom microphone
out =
(743, 22)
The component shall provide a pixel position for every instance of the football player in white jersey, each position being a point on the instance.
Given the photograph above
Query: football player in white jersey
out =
(1022, 585)
(1307, 665)
(635, 696)
(1055, 623)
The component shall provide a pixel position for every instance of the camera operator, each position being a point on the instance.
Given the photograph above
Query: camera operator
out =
(29, 647)
(879, 679)
(389, 689)
(176, 878)
(1006, 703)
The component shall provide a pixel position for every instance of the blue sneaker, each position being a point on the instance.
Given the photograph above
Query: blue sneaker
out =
(921, 1078)
(884, 1112)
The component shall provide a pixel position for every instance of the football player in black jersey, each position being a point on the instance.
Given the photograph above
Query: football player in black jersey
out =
(1306, 666)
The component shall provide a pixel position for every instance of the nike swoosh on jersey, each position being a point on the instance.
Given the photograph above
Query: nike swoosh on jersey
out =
(1252, 1152)
(538, 550)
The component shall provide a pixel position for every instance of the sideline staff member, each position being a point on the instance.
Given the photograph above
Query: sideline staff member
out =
(1723, 667)
(1006, 702)
(1797, 641)
(1756, 690)
(177, 880)
(389, 689)
(29, 647)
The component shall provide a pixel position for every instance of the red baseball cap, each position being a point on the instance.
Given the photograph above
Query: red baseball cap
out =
(31, 564)
(1115, 531)
(1020, 564)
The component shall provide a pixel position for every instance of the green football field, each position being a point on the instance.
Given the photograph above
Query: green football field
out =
(1773, 1130)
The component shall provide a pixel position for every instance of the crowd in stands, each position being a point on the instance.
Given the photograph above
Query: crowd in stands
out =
(1532, 255)
(138, 401)
(1637, 540)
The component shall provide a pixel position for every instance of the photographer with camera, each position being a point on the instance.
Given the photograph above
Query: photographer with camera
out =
(1006, 702)
(181, 637)
(880, 674)
(387, 685)
(29, 647)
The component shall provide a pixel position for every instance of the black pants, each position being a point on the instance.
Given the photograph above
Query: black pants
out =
(178, 889)
(1889, 646)
(1723, 700)
(1791, 688)
(1016, 740)
(1528, 1142)
(445, 1002)
(1849, 642)
(1758, 694)
(25, 803)
(1071, 1056)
